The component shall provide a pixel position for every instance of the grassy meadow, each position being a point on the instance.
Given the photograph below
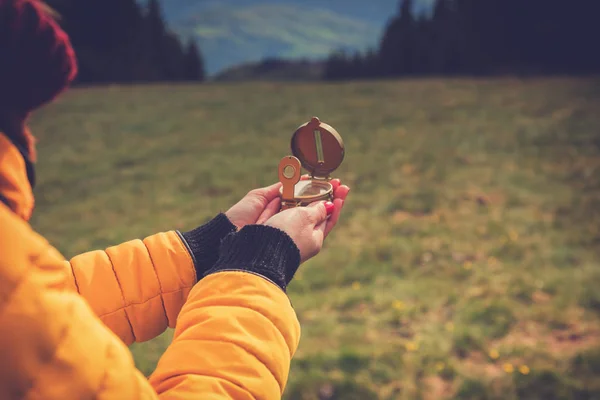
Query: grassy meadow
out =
(467, 260)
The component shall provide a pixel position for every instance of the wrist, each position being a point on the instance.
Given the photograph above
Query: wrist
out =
(261, 250)
(236, 227)
(204, 241)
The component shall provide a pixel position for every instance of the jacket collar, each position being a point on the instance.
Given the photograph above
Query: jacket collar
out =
(17, 178)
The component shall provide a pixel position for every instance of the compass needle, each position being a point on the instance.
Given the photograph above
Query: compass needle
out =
(319, 145)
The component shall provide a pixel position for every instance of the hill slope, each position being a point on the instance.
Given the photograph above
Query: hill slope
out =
(274, 70)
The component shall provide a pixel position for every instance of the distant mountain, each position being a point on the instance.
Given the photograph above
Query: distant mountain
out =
(274, 70)
(233, 32)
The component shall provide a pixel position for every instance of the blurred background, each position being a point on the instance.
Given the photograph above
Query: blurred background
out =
(466, 262)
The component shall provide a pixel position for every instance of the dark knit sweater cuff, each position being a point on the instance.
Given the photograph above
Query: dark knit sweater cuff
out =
(261, 250)
(203, 242)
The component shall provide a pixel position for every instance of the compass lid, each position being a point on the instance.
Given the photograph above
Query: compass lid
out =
(319, 147)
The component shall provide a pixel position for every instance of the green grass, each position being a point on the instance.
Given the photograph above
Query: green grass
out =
(467, 260)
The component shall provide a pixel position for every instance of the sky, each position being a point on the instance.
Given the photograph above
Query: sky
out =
(231, 32)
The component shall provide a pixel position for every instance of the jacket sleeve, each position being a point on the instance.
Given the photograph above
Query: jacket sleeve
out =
(237, 333)
(235, 339)
(138, 288)
(52, 346)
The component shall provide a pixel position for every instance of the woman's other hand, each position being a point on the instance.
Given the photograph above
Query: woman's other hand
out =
(261, 204)
(256, 207)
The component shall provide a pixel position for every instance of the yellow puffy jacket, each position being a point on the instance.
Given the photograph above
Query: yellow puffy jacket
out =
(65, 325)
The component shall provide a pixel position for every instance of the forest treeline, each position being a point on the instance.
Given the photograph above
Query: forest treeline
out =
(481, 37)
(124, 41)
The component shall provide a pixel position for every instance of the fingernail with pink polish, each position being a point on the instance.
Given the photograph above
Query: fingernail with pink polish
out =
(329, 207)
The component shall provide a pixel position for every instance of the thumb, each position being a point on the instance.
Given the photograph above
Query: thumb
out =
(271, 209)
(268, 193)
(318, 212)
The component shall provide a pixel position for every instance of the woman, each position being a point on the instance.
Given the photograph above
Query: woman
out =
(65, 325)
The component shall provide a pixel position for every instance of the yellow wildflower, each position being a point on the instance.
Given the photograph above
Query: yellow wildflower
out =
(412, 346)
(398, 305)
(356, 285)
(508, 368)
(494, 354)
(524, 369)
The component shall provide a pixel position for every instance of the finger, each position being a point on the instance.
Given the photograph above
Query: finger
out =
(317, 213)
(339, 197)
(335, 183)
(271, 209)
(268, 193)
(335, 216)
(341, 192)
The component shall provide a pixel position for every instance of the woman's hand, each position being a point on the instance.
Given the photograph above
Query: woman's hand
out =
(256, 207)
(309, 226)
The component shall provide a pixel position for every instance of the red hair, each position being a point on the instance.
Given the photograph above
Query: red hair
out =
(38, 61)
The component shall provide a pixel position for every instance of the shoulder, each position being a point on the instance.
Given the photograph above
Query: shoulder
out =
(23, 251)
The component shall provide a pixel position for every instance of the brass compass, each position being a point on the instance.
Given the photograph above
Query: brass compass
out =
(318, 148)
